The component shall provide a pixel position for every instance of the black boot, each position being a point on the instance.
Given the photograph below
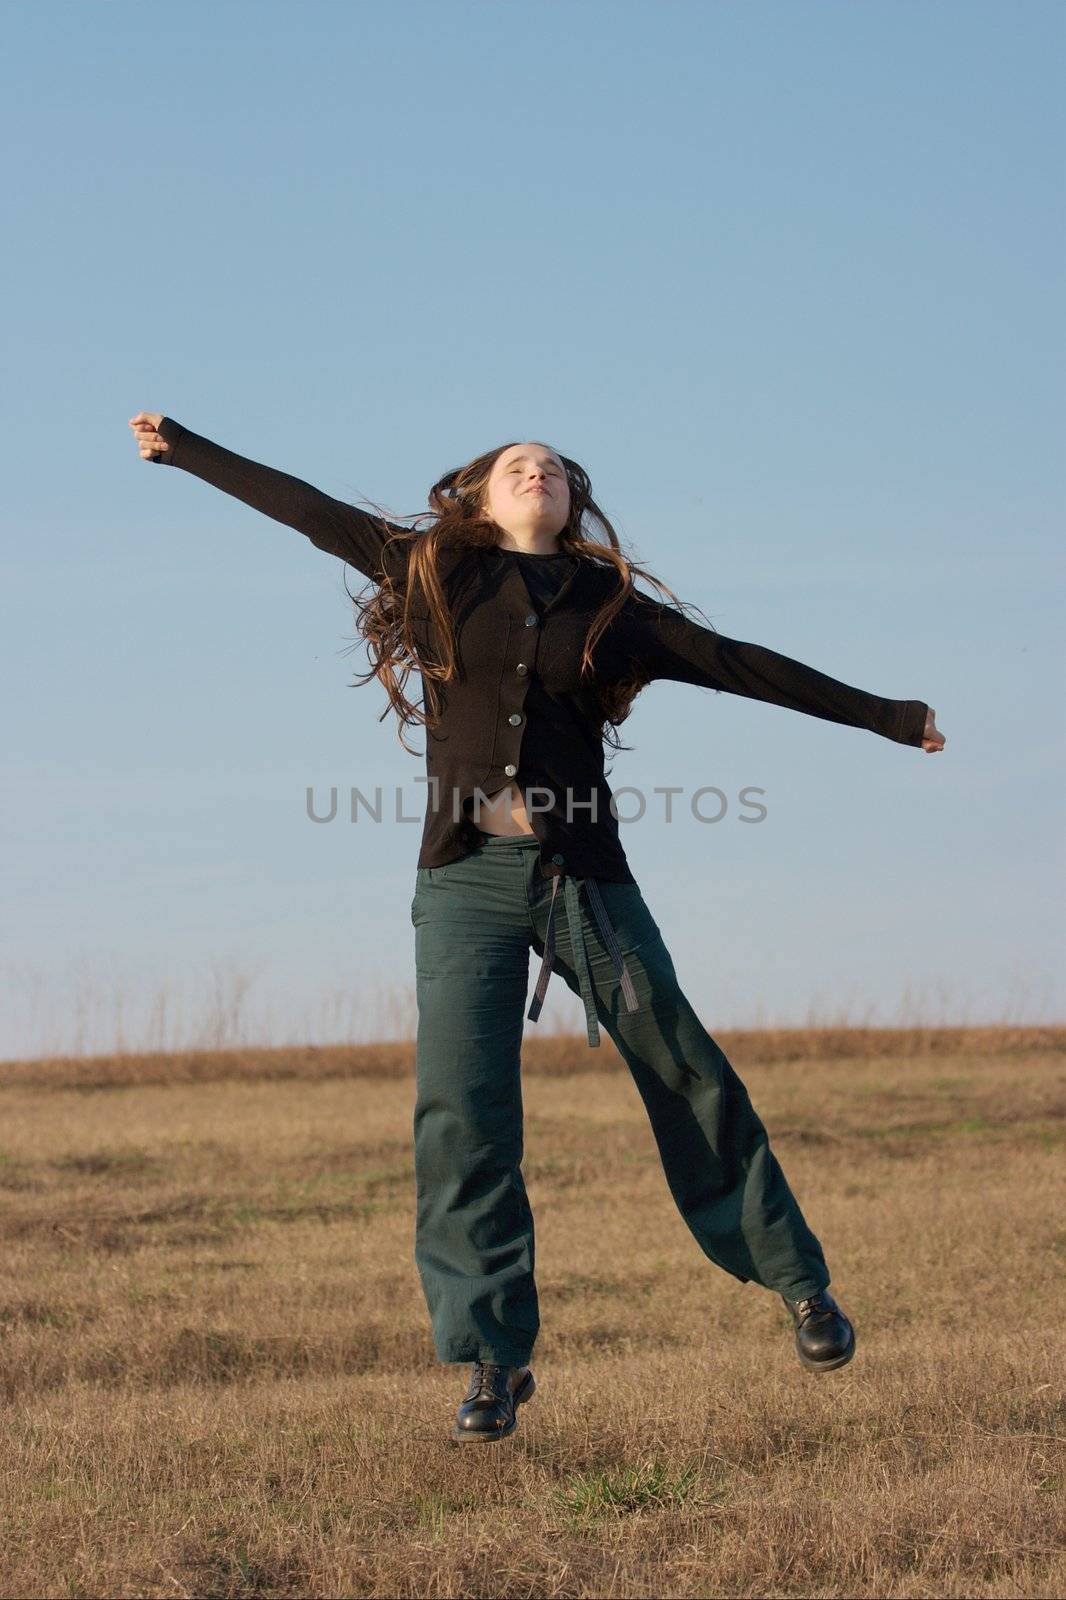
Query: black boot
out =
(824, 1337)
(488, 1408)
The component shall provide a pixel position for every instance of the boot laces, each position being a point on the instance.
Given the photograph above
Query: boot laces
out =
(488, 1378)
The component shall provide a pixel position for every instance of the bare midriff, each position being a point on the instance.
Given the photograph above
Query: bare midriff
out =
(504, 812)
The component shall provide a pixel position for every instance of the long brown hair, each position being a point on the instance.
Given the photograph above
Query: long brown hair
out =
(455, 516)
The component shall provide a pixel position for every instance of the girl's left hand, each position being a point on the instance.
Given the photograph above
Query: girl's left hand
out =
(932, 738)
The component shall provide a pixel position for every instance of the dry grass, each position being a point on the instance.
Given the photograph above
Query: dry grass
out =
(218, 1380)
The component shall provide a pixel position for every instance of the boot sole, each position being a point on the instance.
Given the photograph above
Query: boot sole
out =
(827, 1366)
(483, 1436)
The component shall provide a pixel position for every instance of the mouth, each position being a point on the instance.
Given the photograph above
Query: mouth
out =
(536, 491)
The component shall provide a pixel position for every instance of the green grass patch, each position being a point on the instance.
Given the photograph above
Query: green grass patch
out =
(645, 1486)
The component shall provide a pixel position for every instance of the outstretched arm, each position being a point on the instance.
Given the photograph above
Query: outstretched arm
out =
(342, 530)
(670, 645)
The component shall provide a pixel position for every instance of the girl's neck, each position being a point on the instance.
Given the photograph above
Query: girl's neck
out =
(516, 550)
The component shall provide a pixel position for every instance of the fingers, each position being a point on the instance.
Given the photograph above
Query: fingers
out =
(150, 443)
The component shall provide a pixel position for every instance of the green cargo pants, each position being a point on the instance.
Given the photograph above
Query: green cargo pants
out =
(475, 921)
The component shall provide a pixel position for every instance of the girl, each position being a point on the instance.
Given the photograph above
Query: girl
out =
(532, 642)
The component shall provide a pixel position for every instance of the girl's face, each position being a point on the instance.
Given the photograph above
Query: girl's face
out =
(528, 494)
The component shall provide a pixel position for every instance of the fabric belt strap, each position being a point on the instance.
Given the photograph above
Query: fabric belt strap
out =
(572, 902)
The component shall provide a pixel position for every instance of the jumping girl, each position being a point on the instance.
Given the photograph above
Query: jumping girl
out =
(532, 642)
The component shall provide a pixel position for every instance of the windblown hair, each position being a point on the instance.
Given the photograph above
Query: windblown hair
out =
(456, 519)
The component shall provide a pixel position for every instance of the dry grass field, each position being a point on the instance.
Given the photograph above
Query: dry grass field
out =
(217, 1377)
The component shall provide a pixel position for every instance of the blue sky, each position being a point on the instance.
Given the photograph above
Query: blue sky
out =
(786, 279)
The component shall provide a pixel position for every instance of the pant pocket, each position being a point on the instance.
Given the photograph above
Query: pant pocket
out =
(420, 883)
(426, 879)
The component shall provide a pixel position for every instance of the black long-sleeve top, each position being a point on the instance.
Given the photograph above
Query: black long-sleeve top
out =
(518, 709)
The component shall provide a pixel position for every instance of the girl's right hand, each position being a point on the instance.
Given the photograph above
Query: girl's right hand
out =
(144, 426)
(932, 738)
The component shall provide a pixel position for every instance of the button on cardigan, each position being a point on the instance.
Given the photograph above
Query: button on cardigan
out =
(519, 708)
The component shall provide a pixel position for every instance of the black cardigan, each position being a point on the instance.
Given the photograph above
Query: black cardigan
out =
(518, 709)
